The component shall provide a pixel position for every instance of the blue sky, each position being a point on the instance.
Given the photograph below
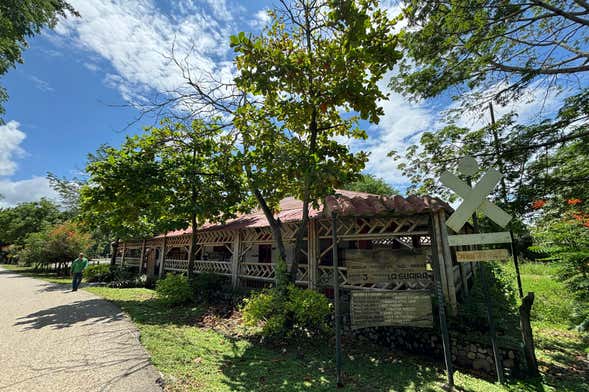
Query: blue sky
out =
(61, 99)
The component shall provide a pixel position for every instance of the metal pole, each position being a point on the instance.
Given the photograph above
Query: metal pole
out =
(338, 327)
(441, 305)
(516, 264)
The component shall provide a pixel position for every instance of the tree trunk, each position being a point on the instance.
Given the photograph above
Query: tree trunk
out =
(113, 255)
(192, 247)
(528, 338)
(275, 225)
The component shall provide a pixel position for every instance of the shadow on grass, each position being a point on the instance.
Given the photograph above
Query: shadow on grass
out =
(64, 316)
(312, 368)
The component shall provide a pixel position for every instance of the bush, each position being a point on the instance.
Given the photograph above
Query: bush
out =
(472, 314)
(98, 273)
(290, 313)
(125, 277)
(208, 288)
(174, 289)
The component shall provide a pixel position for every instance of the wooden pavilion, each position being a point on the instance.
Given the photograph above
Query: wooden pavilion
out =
(242, 248)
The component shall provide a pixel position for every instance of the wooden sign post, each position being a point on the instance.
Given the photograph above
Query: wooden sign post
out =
(476, 198)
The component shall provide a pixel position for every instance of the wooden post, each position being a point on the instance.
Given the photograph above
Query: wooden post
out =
(338, 321)
(141, 257)
(124, 251)
(446, 274)
(312, 254)
(438, 288)
(443, 240)
(529, 349)
(235, 259)
(163, 257)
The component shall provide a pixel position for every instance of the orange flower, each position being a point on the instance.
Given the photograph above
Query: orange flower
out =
(573, 202)
(538, 204)
(578, 217)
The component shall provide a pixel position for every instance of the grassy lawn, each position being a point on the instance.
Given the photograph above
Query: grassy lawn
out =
(201, 350)
(195, 357)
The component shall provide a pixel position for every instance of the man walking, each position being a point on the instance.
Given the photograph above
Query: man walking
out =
(78, 266)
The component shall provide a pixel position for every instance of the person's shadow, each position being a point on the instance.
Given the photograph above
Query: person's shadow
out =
(64, 316)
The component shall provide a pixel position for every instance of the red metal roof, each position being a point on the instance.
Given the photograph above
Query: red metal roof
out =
(343, 202)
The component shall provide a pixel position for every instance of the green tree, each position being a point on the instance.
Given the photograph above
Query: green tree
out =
(484, 43)
(57, 245)
(20, 20)
(202, 177)
(312, 63)
(167, 178)
(566, 239)
(25, 218)
(369, 183)
(536, 161)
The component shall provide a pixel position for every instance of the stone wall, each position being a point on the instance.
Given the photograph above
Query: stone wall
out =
(472, 354)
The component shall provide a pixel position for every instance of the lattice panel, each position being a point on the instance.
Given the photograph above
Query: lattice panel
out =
(177, 241)
(211, 266)
(176, 265)
(372, 227)
(155, 243)
(214, 237)
(256, 235)
(263, 271)
(425, 240)
(257, 271)
(406, 241)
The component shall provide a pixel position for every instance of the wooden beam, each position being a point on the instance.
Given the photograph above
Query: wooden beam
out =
(448, 262)
(312, 253)
(163, 257)
(235, 259)
(141, 257)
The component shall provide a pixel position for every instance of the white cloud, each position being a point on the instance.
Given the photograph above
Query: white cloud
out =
(260, 19)
(10, 139)
(135, 36)
(40, 84)
(14, 192)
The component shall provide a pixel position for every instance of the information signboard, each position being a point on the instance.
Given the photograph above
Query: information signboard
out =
(385, 265)
(482, 255)
(391, 308)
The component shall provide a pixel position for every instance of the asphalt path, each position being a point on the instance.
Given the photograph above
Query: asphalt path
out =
(53, 339)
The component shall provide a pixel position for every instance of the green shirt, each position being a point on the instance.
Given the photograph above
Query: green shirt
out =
(78, 265)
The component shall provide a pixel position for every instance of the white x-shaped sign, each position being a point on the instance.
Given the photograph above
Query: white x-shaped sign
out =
(475, 197)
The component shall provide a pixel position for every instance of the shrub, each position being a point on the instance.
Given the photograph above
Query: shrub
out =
(125, 277)
(208, 288)
(174, 289)
(98, 273)
(472, 314)
(291, 313)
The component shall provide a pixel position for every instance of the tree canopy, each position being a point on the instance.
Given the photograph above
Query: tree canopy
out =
(25, 218)
(369, 183)
(314, 61)
(481, 44)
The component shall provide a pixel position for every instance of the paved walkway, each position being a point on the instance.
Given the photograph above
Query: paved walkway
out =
(56, 340)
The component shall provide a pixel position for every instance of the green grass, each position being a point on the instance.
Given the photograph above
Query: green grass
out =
(46, 276)
(194, 356)
(553, 304)
(197, 358)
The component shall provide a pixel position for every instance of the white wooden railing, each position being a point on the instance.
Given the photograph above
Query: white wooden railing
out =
(176, 265)
(132, 260)
(267, 272)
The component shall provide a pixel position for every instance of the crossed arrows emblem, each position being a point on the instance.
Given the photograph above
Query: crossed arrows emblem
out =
(474, 198)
